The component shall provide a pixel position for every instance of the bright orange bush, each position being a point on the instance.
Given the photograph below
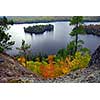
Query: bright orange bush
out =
(47, 71)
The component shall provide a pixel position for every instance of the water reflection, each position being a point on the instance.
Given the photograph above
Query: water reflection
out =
(49, 42)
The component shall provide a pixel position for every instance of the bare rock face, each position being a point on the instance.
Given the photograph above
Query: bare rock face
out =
(10, 69)
(95, 59)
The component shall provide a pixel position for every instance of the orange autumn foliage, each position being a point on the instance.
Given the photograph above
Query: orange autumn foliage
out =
(53, 69)
(50, 58)
(47, 71)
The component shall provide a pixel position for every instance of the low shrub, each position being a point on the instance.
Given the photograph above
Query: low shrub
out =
(54, 68)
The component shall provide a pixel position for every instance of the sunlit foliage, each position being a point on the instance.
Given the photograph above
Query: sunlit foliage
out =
(52, 69)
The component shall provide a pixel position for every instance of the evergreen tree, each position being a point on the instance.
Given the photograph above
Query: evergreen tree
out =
(77, 21)
(24, 50)
(5, 42)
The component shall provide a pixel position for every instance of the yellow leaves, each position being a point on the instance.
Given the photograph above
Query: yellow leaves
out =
(22, 60)
(68, 60)
(80, 61)
(78, 55)
(38, 59)
(30, 64)
(53, 68)
(65, 70)
(50, 58)
(37, 63)
(57, 71)
(23, 64)
(61, 62)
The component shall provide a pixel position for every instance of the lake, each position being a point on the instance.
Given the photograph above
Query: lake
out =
(50, 42)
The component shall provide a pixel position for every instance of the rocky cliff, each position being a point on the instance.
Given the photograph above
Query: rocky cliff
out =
(12, 71)
(95, 59)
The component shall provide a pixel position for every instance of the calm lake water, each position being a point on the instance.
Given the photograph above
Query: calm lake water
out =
(50, 42)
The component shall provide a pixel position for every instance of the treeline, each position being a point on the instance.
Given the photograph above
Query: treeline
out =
(37, 19)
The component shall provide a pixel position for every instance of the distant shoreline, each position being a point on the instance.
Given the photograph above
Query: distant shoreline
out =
(40, 21)
(47, 21)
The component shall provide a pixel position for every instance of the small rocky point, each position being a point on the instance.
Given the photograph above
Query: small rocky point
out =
(13, 72)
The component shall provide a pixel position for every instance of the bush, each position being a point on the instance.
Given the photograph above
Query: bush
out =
(61, 54)
(52, 68)
(80, 60)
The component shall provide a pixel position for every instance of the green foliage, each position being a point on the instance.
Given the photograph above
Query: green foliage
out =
(54, 68)
(80, 60)
(71, 48)
(22, 19)
(62, 53)
(5, 42)
(39, 29)
(24, 48)
(76, 19)
(84, 50)
(29, 19)
(78, 29)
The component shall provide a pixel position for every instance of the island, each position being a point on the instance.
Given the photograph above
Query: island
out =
(92, 29)
(38, 29)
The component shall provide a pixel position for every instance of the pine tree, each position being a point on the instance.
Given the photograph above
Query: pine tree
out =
(24, 50)
(77, 21)
(5, 42)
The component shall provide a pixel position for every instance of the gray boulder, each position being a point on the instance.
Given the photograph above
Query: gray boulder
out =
(95, 58)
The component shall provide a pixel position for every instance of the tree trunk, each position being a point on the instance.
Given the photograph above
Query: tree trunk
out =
(76, 41)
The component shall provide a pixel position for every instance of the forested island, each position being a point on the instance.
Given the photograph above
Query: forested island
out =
(39, 29)
(92, 29)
